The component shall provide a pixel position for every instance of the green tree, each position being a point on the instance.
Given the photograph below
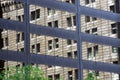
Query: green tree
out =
(91, 76)
(23, 73)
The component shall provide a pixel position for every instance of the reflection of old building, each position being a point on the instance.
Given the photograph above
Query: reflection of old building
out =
(59, 47)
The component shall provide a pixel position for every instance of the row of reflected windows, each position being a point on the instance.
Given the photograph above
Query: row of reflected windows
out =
(72, 75)
(10, 6)
(89, 1)
(71, 21)
(93, 51)
(34, 15)
(52, 44)
(94, 30)
(13, 5)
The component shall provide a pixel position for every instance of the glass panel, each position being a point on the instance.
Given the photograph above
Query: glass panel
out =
(106, 5)
(100, 53)
(100, 27)
(12, 10)
(53, 18)
(12, 40)
(53, 46)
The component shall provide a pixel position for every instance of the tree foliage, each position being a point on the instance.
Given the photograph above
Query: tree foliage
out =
(23, 73)
(91, 76)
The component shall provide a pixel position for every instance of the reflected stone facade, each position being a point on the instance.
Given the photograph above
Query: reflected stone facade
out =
(40, 44)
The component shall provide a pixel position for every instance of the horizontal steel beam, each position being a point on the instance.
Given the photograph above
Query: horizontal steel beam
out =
(23, 1)
(101, 66)
(54, 32)
(102, 40)
(58, 61)
(12, 55)
(53, 60)
(37, 58)
(12, 25)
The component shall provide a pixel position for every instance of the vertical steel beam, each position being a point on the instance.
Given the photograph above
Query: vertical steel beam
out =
(27, 32)
(79, 41)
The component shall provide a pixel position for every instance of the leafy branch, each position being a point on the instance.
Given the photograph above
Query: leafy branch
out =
(23, 73)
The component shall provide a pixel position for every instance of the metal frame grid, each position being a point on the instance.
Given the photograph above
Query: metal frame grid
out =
(28, 28)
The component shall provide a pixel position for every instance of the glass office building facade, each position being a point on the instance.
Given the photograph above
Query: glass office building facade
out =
(68, 39)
